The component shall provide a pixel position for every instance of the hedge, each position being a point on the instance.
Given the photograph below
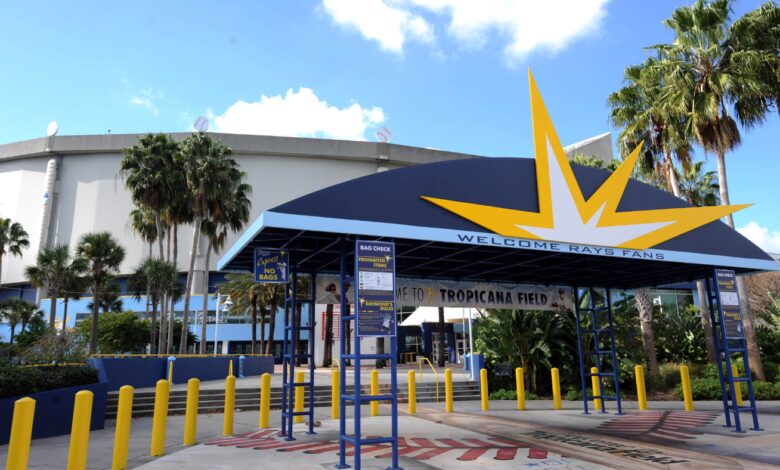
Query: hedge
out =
(24, 380)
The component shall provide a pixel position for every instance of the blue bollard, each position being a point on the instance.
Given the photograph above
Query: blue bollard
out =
(241, 366)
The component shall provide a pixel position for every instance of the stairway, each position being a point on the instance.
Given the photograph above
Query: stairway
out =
(212, 401)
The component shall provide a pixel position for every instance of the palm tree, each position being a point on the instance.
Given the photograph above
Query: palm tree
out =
(146, 168)
(110, 300)
(213, 180)
(715, 70)
(74, 283)
(13, 239)
(154, 277)
(17, 311)
(103, 255)
(54, 269)
(247, 295)
(273, 294)
(637, 110)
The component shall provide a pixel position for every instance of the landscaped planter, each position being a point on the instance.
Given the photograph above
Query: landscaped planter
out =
(54, 411)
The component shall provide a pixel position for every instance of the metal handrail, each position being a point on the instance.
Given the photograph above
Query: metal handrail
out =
(97, 356)
(436, 374)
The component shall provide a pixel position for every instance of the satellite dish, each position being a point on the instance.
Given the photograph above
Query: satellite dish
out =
(201, 124)
(52, 128)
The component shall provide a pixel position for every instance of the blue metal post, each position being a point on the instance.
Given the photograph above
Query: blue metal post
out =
(716, 336)
(356, 374)
(342, 352)
(312, 334)
(615, 369)
(394, 393)
(285, 371)
(597, 350)
(576, 297)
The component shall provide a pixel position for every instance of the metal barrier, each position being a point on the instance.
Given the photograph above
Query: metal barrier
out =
(436, 374)
(103, 356)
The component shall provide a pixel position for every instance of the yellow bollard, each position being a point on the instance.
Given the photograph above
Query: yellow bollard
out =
(448, 389)
(596, 384)
(737, 385)
(556, 388)
(641, 393)
(520, 386)
(79, 431)
(483, 387)
(265, 400)
(686, 388)
(412, 393)
(191, 413)
(21, 431)
(123, 420)
(335, 394)
(159, 421)
(374, 391)
(230, 402)
(298, 396)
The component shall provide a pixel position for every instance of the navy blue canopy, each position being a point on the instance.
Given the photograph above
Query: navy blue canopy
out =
(435, 243)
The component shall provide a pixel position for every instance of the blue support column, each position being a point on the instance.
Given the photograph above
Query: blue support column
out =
(716, 336)
(312, 334)
(576, 298)
(342, 352)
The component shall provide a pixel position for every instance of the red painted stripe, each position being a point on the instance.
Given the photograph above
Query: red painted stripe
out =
(473, 454)
(422, 442)
(432, 453)
(322, 450)
(479, 442)
(369, 449)
(664, 433)
(454, 443)
(506, 454)
(535, 453)
(401, 451)
(310, 445)
(510, 442)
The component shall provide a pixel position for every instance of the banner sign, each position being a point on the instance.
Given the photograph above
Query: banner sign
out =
(433, 293)
(375, 279)
(271, 266)
(729, 302)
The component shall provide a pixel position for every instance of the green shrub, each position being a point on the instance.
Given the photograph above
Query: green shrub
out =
(20, 380)
(573, 395)
(504, 394)
(763, 391)
(669, 376)
(702, 389)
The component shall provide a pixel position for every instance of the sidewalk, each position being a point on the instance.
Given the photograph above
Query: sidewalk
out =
(566, 438)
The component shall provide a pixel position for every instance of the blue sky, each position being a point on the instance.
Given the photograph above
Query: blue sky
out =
(437, 73)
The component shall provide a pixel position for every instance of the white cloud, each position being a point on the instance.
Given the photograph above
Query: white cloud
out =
(524, 25)
(298, 114)
(768, 240)
(146, 99)
(381, 21)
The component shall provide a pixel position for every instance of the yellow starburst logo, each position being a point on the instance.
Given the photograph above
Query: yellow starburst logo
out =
(564, 213)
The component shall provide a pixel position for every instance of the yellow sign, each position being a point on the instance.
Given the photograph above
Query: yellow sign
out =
(564, 213)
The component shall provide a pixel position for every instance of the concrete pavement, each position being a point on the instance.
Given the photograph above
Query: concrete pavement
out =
(665, 436)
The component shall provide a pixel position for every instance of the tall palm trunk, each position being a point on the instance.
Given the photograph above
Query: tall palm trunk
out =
(262, 327)
(254, 326)
(744, 300)
(190, 274)
(269, 345)
(645, 307)
(93, 335)
(185, 329)
(153, 334)
(53, 311)
(162, 346)
(64, 313)
(327, 350)
(706, 323)
(160, 233)
(171, 348)
(442, 361)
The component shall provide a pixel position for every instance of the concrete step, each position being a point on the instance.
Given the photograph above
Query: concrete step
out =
(249, 399)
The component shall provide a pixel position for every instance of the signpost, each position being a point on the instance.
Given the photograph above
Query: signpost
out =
(729, 301)
(375, 274)
(271, 266)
